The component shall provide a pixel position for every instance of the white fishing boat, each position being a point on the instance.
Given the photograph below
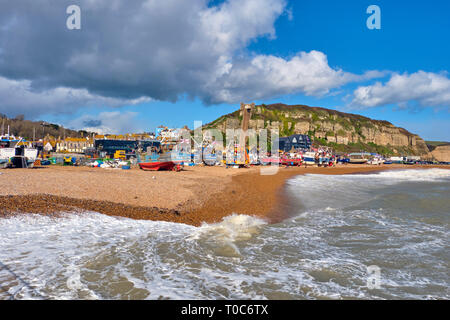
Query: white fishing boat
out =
(359, 157)
(376, 161)
(397, 160)
(309, 157)
(5, 155)
(15, 152)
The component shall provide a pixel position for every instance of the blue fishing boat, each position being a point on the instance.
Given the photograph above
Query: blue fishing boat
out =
(309, 157)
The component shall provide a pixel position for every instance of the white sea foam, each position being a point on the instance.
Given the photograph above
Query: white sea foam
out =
(434, 174)
(335, 191)
(231, 229)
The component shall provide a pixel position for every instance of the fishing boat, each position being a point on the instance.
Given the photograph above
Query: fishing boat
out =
(376, 160)
(5, 155)
(359, 157)
(3, 163)
(309, 157)
(155, 166)
(291, 161)
(15, 152)
(396, 160)
(324, 161)
(156, 162)
(343, 160)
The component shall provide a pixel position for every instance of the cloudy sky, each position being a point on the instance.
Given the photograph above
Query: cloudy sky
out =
(136, 64)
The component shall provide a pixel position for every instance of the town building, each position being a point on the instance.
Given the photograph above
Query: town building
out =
(73, 145)
(295, 141)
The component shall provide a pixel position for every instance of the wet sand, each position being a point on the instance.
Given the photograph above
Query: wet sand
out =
(195, 195)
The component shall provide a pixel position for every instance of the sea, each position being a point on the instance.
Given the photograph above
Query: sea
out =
(362, 236)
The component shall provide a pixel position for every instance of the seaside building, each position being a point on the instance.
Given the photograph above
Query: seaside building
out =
(170, 137)
(295, 141)
(108, 147)
(128, 136)
(73, 145)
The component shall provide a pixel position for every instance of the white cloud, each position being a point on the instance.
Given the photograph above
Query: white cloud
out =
(129, 51)
(109, 122)
(426, 89)
(267, 76)
(18, 97)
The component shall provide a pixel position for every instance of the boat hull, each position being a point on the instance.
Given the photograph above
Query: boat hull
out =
(309, 160)
(156, 166)
(291, 162)
(4, 163)
(358, 161)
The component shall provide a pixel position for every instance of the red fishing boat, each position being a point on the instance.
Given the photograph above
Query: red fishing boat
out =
(155, 166)
(291, 162)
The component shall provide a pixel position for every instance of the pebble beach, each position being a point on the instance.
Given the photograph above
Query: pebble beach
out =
(192, 196)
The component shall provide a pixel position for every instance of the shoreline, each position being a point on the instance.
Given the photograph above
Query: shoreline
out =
(194, 196)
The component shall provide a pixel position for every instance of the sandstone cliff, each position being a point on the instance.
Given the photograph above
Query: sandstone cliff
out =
(442, 153)
(343, 131)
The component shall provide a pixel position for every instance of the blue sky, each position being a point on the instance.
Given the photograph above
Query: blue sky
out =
(414, 37)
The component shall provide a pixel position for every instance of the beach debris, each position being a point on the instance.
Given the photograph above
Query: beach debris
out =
(109, 164)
